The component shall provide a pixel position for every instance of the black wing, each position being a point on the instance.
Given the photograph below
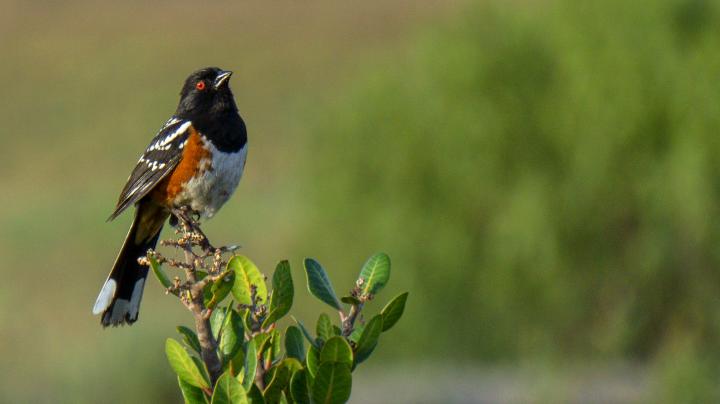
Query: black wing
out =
(159, 159)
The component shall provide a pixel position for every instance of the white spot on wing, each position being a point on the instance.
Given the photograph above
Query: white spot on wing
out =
(164, 144)
(132, 191)
(169, 138)
(171, 121)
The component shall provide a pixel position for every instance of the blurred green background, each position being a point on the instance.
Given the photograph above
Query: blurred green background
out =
(542, 173)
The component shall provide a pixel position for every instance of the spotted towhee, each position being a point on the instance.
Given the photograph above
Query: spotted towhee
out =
(195, 162)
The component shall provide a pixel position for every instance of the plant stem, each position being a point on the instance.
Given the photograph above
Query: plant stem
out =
(196, 304)
(191, 292)
(208, 345)
(348, 322)
(260, 374)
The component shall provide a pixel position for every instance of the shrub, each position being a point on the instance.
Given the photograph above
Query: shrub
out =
(238, 354)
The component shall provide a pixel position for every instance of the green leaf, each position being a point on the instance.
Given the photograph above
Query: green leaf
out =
(280, 379)
(220, 289)
(237, 364)
(392, 312)
(294, 346)
(251, 364)
(336, 330)
(159, 273)
(246, 276)
(200, 275)
(332, 384)
(319, 283)
(350, 300)
(189, 337)
(191, 394)
(305, 332)
(336, 349)
(217, 319)
(369, 338)
(324, 328)
(299, 387)
(312, 360)
(183, 365)
(255, 395)
(207, 295)
(282, 295)
(262, 342)
(228, 391)
(232, 336)
(356, 333)
(246, 319)
(201, 366)
(293, 364)
(275, 345)
(375, 273)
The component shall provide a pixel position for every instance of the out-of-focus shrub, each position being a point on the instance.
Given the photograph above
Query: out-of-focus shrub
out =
(549, 169)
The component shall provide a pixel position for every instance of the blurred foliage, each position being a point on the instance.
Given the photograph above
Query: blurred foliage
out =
(551, 167)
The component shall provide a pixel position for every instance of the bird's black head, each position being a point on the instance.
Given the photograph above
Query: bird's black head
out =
(206, 93)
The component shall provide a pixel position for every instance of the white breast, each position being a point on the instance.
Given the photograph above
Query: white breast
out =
(215, 182)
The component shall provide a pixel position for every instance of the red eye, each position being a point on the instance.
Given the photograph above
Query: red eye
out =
(200, 85)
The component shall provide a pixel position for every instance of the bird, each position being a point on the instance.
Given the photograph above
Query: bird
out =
(195, 162)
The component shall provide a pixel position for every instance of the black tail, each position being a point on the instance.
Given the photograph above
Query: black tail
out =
(120, 296)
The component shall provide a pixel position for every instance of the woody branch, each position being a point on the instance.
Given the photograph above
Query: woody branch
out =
(190, 291)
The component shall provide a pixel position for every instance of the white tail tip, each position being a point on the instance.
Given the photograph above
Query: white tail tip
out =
(105, 297)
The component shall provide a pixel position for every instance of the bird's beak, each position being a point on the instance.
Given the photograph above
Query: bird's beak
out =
(221, 78)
